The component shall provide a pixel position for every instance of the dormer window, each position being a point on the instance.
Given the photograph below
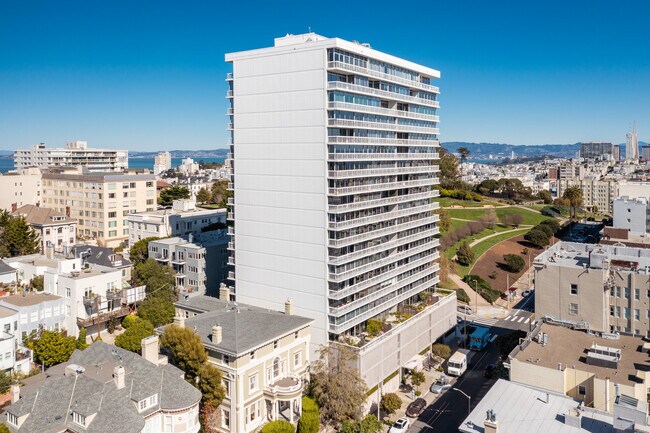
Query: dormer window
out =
(148, 402)
(12, 419)
(78, 418)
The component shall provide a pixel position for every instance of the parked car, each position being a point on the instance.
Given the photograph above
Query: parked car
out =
(400, 426)
(440, 385)
(527, 293)
(489, 371)
(465, 309)
(416, 407)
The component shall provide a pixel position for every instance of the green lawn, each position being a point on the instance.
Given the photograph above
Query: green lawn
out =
(529, 218)
(448, 201)
(537, 207)
(480, 248)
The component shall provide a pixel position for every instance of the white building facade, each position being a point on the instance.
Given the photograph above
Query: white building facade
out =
(75, 153)
(335, 149)
(162, 162)
(632, 214)
(19, 188)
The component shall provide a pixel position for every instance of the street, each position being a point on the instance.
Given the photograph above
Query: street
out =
(447, 412)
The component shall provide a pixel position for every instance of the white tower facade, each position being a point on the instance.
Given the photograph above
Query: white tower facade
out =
(632, 145)
(334, 150)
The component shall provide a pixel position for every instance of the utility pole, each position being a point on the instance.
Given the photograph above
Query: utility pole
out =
(469, 401)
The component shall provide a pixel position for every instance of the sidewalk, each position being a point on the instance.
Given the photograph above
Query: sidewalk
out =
(476, 299)
(523, 283)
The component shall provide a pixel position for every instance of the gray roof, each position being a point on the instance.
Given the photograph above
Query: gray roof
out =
(5, 268)
(29, 298)
(100, 256)
(522, 409)
(46, 397)
(42, 216)
(244, 327)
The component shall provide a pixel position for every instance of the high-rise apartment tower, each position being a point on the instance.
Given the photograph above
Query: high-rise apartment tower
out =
(334, 149)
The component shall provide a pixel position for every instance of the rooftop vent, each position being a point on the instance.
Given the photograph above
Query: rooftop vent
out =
(603, 356)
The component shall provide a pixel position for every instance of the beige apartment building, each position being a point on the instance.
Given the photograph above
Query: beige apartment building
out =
(585, 366)
(100, 202)
(606, 287)
(19, 188)
(54, 228)
(598, 193)
(262, 354)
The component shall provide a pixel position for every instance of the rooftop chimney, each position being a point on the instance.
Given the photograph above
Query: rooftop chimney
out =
(288, 307)
(150, 349)
(118, 376)
(224, 292)
(179, 321)
(573, 418)
(491, 424)
(217, 334)
(49, 250)
(15, 393)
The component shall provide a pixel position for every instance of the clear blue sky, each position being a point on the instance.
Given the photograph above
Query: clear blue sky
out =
(149, 75)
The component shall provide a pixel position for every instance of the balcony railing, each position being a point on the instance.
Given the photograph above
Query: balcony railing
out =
(375, 156)
(383, 231)
(103, 316)
(114, 295)
(231, 261)
(231, 201)
(231, 231)
(229, 76)
(339, 85)
(230, 111)
(231, 275)
(289, 384)
(230, 94)
(347, 190)
(343, 139)
(346, 123)
(230, 127)
(231, 246)
(387, 77)
(231, 216)
(429, 207)
(91, 299)
(230, 187)
(348, 106)
(347, 207)
(369, 172)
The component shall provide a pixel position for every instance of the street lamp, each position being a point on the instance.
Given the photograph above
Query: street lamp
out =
(469, 400)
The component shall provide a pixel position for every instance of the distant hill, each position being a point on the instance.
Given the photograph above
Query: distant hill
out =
(482, 151)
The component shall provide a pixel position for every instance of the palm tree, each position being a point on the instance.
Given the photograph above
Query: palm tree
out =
(574, 195)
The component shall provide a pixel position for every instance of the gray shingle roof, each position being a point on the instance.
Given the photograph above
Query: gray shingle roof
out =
(244, 327)
(100, 256)
(42, 215)
(5, 268)
(94, 392)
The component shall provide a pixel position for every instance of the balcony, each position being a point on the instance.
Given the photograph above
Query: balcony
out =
(231, 246)
(102, 317)
(231, 261)
(229, 156)
(231, 201)
(231, 231)
(383, 231)
(159, 256)
(230, 187)
(342, 139)
(361, 108)
(230, 94)
(230, 127)
(341, 208)
(230, 111)
(229, 76)
(115, 295)
(370, 172)
(347, 190)
(345, 123)
(381, 156)
(231, 216)
(178, 261)
(380, 217)
(346, 67)
(288, 385)
(339, 85)
(231, 275)
(91, 299)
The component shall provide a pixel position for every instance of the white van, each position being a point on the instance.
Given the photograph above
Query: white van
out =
(457, 363)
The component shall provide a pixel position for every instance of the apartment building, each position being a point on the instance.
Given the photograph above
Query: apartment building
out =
(596, 193)
(585, 366)
(201, 264)
(101, 202)
(12, 357)
(19, 188)
(74, 154)
(604, 286)
(183, 219)
(632, 214)
(107, 389)
(53, 227)
(36, 311)
(597, 150)
(263, 355)
(162, 162)
(334, 147)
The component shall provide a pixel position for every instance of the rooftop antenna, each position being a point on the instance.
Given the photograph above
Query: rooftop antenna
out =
(309, 28)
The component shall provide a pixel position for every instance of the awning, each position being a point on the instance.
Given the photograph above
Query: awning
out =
(415, 363)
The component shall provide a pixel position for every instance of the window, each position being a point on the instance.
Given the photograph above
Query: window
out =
(637, 294)
(582, 390)
(618, 312)
(626, 312)
(148, 402)
(573, 309)
(637, 314)
(169, 424)
(611, 310)
(253, 411)
(574, 289)
(67, 292)
(297, 359)
(12, 419)
(252, 382)
(226, 386)
(225, 418)
(77, 418)
(627, 293)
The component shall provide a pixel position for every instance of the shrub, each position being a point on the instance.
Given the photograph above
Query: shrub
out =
(537, 237)
(552, 223)
(309, 405)
(131, 339)
(483, 287)
(390, 403)
(545, 228)
(278, 426)
(373, 327)
(464, 254)
(441, 350)
(514, 262)
(129, 320)
(308, 422)
(462, 296)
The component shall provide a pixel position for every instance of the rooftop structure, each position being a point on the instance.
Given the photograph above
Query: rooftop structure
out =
(74, 154)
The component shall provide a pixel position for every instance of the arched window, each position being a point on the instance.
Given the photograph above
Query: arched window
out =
(276, 367)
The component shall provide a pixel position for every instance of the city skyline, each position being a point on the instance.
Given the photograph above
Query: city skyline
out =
(150, 76)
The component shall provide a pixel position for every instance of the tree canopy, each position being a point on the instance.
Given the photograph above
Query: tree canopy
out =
(514, 263)
(390, 403)
(54, 348)
(131, 338)
(176, 192)
(158, 309)
(203, 195)
(464, 254)
(17, 238)
(220, 193)
(139, 252)
(153, 274)
(573, 195)
(186, 348)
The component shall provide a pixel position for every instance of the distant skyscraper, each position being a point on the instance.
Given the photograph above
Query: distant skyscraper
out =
(616, 152)
(645, 153)
(596, 150)
(632, 145)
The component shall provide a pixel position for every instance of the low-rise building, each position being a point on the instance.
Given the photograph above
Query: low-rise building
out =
(105, 258)
(107, 389)
(8, 275)
(632, 214)
(36, 311)
(201, 264)
(263, 355)
(74, 154)
(20, 187)
(12, 357)
(53, 227)
(183, 219)
(582, 365)
(603, 286)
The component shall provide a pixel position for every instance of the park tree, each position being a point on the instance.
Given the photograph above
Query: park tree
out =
(514, 262)
(53, 347)
(131, 338)
(537, 237)
(211, 384)
(573, 195)
(153, 275)
(37, 282)
(545, 195)
(278, 426)
(390, 403)
(139, 252)
(417, 378)
(516, 219)
(552, 223)
(488, 186)
(221, 193)
(449, 172)
(203, 195)
(445, 220)
(176, 192)
(17, 238)
(158, 309)
(337, 386)
(490, 219)
(441, 351)
(186, 349)
(464, 254)
(464, 154)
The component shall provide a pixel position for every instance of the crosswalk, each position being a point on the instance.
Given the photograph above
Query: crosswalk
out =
(485, 321)
(518, 319)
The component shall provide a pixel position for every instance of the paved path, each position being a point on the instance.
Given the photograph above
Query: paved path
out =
(473, 296)
(479, 240)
